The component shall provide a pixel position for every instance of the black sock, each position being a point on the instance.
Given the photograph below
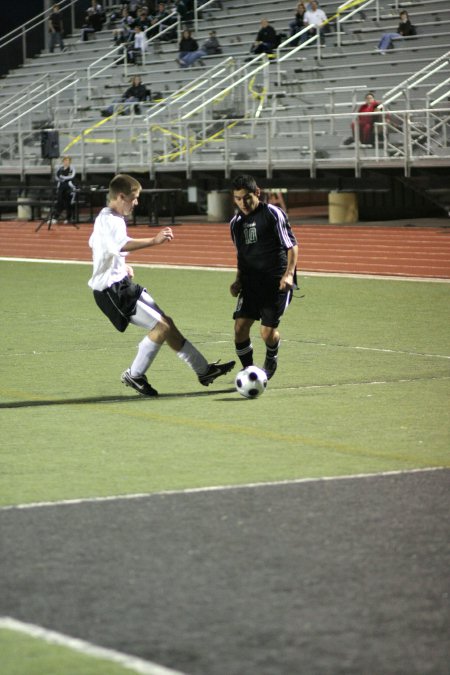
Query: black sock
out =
(272, 352)
(244, 350)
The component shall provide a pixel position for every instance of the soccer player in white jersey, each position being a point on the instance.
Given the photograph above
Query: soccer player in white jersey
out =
(266, 270)
(125, 302)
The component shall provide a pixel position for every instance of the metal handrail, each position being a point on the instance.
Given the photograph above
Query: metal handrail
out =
(261, 62)
(184, 91)
(198, 9)
(431, 104)
(282, 57)
(16, 101)
(358, 8)
(156, 152)
(55, 85)
(413, 80)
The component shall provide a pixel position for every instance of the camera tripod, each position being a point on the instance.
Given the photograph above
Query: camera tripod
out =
(49, 219)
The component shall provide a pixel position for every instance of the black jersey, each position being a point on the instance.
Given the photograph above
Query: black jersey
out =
(262, 239)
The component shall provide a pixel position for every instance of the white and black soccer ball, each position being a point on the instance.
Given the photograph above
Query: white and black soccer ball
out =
(251, 382)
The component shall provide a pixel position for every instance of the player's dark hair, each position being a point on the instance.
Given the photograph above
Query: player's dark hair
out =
(244, 182)
(125, 184)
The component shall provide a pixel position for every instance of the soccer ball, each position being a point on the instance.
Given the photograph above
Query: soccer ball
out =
(251, 382)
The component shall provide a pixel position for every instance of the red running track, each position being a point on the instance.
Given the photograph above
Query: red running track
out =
(388, 250)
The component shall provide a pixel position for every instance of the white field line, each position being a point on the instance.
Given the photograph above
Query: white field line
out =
(345, 275)
(220, 488)
(364, 383)
(382, 350)
(86, 648)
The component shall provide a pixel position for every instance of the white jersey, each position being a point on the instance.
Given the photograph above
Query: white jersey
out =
(106, 242)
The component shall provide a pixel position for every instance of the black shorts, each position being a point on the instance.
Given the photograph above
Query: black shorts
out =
(118, 302)
(262, 300)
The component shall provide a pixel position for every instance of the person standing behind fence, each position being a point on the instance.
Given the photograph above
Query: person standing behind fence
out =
(56, 29)
(65, 191)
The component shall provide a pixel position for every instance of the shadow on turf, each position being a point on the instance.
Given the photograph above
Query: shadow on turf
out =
(108, 399)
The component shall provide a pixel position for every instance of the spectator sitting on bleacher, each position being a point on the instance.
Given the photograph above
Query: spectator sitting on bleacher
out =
(137, 45)
(56, 29)
(93, 20)
(161, 17)
(266, 39)
(124, 31)
(405, 29)
(366, 123)
(143, 19)
(297, 23)
(212, 45)
(133, 7)
(136, 93)
(316, 19)
(189, 51)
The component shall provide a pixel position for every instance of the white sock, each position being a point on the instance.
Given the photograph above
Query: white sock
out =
(147, 351)
(195, 360)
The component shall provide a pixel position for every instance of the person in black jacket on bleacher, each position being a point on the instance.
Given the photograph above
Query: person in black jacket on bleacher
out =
(266, 39)
(136, 93)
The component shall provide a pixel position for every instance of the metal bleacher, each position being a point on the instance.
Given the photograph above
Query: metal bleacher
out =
(238, 111)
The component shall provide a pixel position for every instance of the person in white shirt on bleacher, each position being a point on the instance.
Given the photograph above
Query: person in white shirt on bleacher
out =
(316, 19)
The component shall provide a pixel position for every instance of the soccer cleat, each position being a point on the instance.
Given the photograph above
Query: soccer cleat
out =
(215, 370)
(269, 367)
(140, 384)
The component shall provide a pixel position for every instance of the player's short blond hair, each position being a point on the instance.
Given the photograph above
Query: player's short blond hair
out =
(122, 183)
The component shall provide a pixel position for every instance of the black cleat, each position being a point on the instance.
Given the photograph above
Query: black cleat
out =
(140, 384)
(269, 367)
(215, 370)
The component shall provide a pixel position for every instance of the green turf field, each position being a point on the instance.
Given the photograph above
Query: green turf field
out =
(362, 386)
(26, 655)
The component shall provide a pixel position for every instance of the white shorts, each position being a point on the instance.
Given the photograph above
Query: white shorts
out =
(148, 314)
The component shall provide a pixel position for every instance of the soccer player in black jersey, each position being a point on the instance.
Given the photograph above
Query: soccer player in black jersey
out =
(266, 270)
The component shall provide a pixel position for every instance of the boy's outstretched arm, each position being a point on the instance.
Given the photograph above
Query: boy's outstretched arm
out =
(135, 244)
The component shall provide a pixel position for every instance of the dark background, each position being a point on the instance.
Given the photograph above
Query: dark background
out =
(17, 15)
